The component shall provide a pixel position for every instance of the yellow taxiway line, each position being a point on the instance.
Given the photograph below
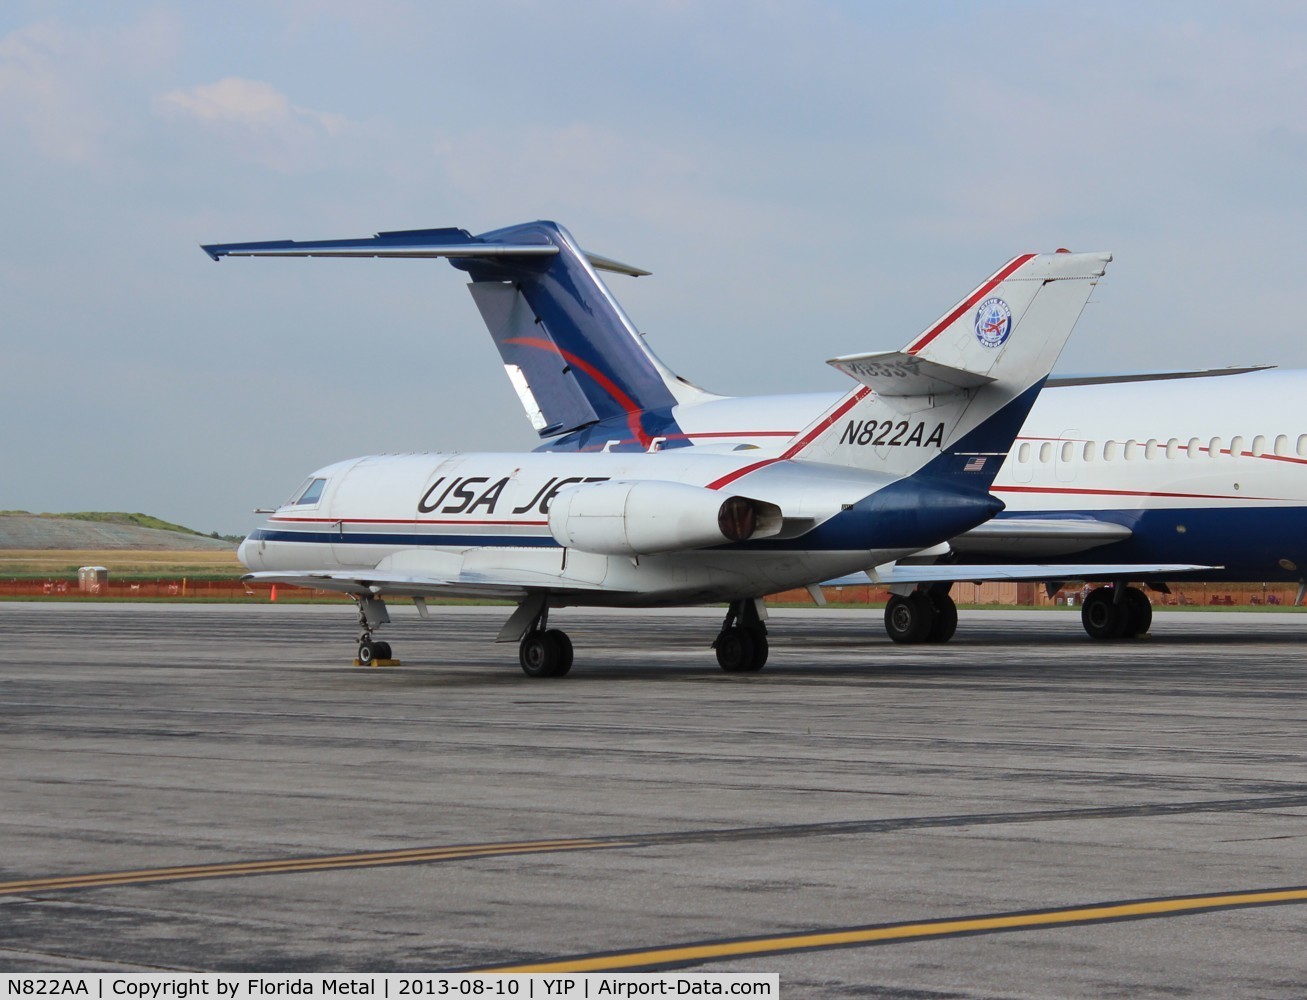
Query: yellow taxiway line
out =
(371, 859)
(689, 954)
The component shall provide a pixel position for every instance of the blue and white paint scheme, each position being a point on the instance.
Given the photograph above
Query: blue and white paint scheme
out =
(900, 463)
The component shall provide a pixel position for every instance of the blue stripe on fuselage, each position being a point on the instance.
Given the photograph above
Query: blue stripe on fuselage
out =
(1248, 542)
(401, 540)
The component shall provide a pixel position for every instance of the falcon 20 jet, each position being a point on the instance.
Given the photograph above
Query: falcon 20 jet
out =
(900, 463)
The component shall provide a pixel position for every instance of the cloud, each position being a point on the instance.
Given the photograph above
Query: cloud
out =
(54, 98)
(257, 121)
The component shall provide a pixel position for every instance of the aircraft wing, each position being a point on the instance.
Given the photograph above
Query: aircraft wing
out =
(399, 584)
(894, 574)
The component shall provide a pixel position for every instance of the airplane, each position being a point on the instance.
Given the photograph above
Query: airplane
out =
(673, 526)
(1133, 468)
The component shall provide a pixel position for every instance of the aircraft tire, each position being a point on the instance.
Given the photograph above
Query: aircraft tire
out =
(541, 655)
(946, 618)
(1139, 613)
(760, 648)
(371, 650)
(1102, 617)
(737, 650)
(565, 646)
(910, 619)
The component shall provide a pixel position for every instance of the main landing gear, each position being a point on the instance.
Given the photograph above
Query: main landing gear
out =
(1117, 612)
(742, 643)
(544, 651)
(922, 616)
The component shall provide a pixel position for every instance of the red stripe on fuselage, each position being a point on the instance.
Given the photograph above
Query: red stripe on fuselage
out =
(1129, 493)
(856, 396)
(396, 520)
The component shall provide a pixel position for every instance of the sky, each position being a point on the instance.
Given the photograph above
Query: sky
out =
(804, 179)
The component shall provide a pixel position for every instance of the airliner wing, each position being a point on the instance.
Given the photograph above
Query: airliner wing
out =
(894, 574)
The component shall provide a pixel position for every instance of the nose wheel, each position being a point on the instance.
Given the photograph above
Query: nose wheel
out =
(373, 652)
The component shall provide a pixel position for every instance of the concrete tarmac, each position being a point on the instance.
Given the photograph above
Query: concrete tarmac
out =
(853, 783)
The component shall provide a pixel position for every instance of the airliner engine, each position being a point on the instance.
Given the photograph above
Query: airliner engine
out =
(640, 518)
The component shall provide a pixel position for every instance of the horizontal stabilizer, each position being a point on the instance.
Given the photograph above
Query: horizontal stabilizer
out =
(894, 373)
(417, 243)
(405, 243)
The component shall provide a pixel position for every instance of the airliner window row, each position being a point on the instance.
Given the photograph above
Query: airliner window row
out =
(1091, 451)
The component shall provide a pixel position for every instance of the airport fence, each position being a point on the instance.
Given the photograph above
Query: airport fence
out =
(178, 588)
(1213, 595)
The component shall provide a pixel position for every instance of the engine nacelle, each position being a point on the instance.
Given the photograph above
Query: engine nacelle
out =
(640, 518)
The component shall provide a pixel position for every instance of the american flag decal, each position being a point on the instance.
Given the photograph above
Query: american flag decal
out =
(974, 465)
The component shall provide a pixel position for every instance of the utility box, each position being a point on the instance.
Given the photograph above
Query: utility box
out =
(90, 579)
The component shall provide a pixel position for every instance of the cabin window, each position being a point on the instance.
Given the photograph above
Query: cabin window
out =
(1193, 448)
(1302, 445)
(1259, 446)
(1282, 444)
(1236, 446)
(1214, 448)
(1109, 450)
(1046, 452)
(1150, 449)
(1068, 451)
(1023, 453)
(1130, 450)
(1089, 451)
(1172, 448)
(311, 494)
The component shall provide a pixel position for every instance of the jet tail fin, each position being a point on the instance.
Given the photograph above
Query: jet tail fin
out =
(954, 398)
(573, 356)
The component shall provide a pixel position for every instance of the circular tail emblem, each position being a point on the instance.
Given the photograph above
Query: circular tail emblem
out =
(993, 322)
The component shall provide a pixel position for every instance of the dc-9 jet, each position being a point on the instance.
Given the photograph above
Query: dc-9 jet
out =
(900, 463)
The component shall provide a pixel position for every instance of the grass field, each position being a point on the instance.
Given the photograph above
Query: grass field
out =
(122, 564)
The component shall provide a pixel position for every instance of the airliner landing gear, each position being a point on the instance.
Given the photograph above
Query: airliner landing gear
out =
(1117, 612)
(372, 613)
(742, 643)
(545, 652)
(922, 616)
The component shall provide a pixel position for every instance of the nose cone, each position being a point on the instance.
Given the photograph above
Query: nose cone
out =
(247, 552)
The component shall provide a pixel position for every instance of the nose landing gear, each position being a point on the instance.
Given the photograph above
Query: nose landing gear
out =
(373, 652)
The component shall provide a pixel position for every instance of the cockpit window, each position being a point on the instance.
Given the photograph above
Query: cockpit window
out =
(311, 493)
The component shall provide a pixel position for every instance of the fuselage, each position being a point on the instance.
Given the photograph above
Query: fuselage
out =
(458, 515)
(1207, 470)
